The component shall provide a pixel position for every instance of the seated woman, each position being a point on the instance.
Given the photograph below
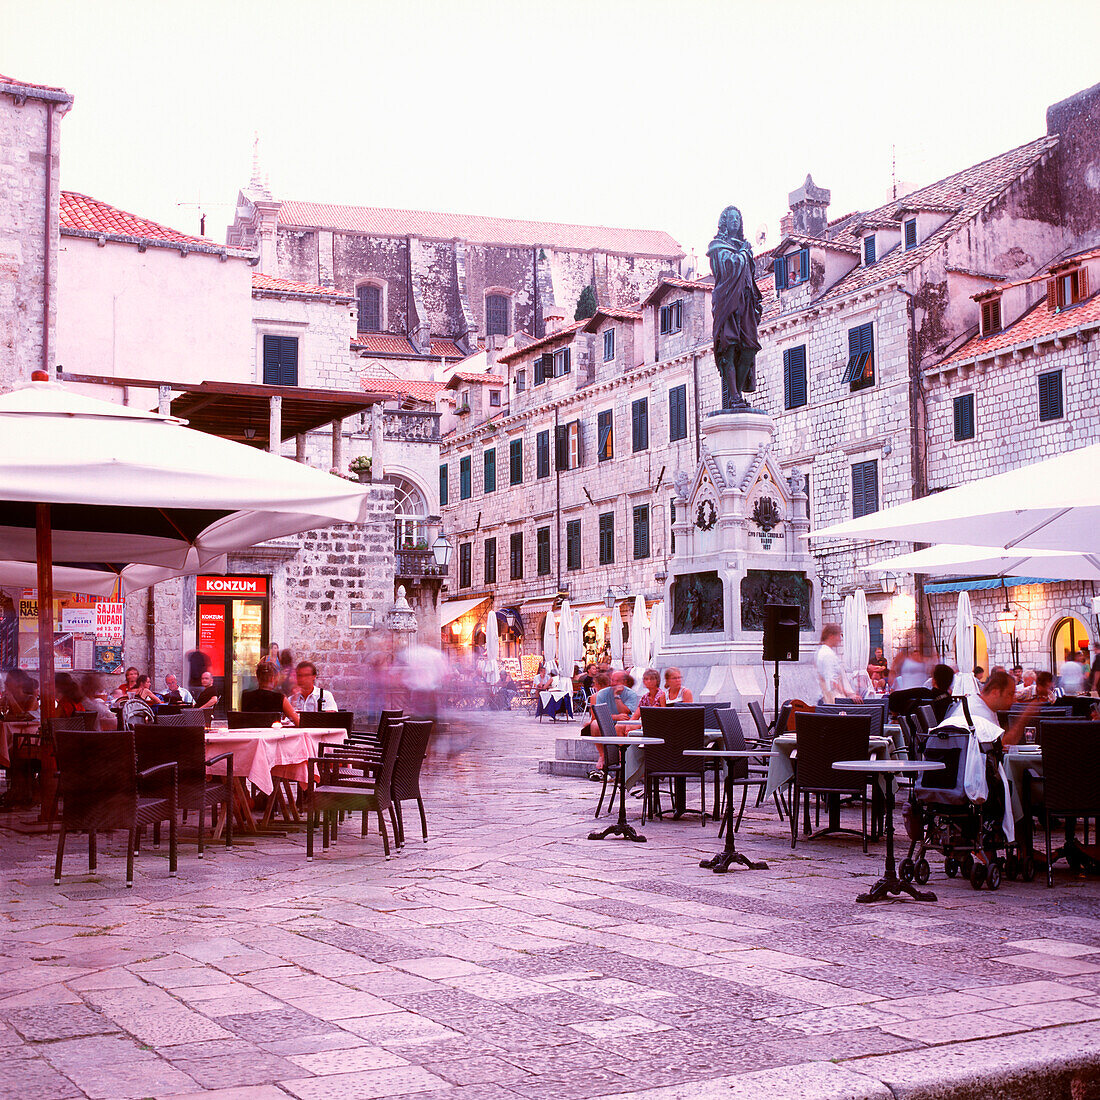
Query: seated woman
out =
(675, 692)
(70, 699)
(266, 697)
(652, 697)
(543, 679)
(128, 686)
(143, 691)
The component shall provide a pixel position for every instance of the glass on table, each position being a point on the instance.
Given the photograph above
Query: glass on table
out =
(1029, 735)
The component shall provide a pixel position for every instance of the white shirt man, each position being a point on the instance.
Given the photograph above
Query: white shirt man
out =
(309, 697)
(1072, 675)
(830, 673)
(176, 694)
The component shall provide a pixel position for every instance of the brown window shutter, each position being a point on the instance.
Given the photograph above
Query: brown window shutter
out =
(1052, 293)
(1082, 284)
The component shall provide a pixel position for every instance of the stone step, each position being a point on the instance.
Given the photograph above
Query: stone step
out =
(573, 756)
(569, 769)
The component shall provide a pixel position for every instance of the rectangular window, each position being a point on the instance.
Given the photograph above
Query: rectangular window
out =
(991, 316)
(490, 561)
(609, 345)
(496, 315)
(910, 234)
(515, 462)
(677, 413)
(540, 375)
(605, 432)
(672, 317)
(465, 478)
(542, 551)
(567, 446)
(521, 381)
(563, 362)
(864, 488)
(280, 360)
(792, 269)
(573, 544)
(515, 556)
(869, 250)
(1051, 406)
(964, 417)
(641, 531)
(369, 299)
(542, 454)
(607, 538)
(639, 424)
(1069, 287)
(874, 624)
(489, 464)
(464, 558)
(860, 371)
(443, 485)
(794, 377)
(494, 399)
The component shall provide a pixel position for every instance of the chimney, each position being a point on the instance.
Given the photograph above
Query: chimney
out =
(810, 208)
(786, 225)
(553, 318)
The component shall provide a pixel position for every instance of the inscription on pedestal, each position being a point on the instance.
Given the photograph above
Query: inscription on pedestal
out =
(697, 604)
(760, 587)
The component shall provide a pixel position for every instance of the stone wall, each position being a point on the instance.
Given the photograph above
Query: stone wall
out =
(323, 329)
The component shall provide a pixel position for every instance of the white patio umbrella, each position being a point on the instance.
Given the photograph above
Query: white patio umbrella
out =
(94, 582)
(951, 560)
(492, 648)
(566, 641)
(1049, 505)
(848, 629)
(656, 630)
(615, 631)
(640, 640)
(86, 481)
(861, 638)
(965, 683)
(549, 641)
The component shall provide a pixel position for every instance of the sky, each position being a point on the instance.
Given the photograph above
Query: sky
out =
(649, 113)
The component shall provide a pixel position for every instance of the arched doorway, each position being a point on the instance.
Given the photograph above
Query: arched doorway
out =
(410, 512)
(1070, 636)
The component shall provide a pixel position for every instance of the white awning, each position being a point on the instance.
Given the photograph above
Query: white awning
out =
(455, 609)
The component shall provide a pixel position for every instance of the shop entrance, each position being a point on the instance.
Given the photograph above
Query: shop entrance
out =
(1070, 636)
(232, 632)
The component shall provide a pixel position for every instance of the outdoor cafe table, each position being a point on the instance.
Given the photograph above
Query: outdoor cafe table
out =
(621, 828)
(890, 883)
(720, 863)
(553, 703)
(781, 767)
(1019, 760)
(270, 758)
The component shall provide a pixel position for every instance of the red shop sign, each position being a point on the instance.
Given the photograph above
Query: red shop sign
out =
(212, 635)
(231, 586)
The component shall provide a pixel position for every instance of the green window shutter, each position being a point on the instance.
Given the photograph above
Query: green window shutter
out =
(781, 273)
(641, 531)
(490, 470)
(443, 486)
(639, 424)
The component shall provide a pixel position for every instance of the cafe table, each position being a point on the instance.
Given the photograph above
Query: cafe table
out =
(554, 702)
(270, 758)
(720, 863)
(885, 771)
(781, 765)
(621, 827)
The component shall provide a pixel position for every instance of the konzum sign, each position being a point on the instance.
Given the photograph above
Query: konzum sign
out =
(231, 586)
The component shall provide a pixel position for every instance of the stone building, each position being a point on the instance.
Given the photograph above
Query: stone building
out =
(1024, 387)
(424, 277)
(30, 145)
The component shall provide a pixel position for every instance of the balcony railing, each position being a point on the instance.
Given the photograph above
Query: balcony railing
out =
(411, 426)
(416, 564)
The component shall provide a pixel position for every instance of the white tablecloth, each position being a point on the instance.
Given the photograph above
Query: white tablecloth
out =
(1018, 761)
(259, 754)
(781, 767)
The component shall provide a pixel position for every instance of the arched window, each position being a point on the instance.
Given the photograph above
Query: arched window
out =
(369, 300)
(497, 319)
(410, 515)
(1070, 636)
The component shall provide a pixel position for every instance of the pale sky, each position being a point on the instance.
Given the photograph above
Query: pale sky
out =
(648, 113)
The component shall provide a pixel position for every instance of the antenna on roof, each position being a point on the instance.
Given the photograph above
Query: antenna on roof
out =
(894, 171)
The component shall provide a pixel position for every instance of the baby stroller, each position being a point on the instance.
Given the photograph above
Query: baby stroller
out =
(940, 815)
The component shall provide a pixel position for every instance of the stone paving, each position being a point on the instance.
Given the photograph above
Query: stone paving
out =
(511, 957)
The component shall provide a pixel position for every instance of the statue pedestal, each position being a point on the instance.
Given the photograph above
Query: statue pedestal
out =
(738, 526)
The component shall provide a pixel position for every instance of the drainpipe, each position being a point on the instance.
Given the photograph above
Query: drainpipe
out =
(47, 249)
(557, 499)
(695, 387)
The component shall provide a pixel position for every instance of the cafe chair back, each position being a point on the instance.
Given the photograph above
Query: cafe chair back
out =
(745, 773)
(873, 710)
(186, 719)
(1071, 778)
(102, 789)
(415, 736)
(680, 728)
(253, 719)
(326, 719)
(763, 730)
(611, 756)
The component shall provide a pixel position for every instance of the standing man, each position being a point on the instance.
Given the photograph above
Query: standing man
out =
(830, 673)
(308, 696)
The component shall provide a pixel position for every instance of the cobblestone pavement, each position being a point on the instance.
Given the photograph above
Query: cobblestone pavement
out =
(511, 957)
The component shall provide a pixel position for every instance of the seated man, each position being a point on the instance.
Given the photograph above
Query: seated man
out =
(1025, 689)
(176, 694)
(308, 696)
(208, 697)
(265, 697)
(1044, 687)
(621, 697)
(20, 699)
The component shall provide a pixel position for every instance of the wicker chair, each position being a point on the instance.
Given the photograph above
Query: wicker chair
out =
(185, 719)
(680, 728)
(415, 735)
(745, 773)
(102, 789)
(763, 729)
(327, 719)
(252, 719)
(185, 746)
(610, 769)
(823, 738)
(1071, 780)
(338, 781)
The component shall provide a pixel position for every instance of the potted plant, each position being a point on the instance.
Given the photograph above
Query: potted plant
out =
(360, 467)
(422, 544)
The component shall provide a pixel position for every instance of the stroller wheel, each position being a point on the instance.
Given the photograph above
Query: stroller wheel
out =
(1028, 871)
(922, 872)
(968, 865)
(993, 878)
(906, 870)
(951, 867)
(977, 875)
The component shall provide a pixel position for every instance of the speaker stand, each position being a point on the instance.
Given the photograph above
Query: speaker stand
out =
(775, 713)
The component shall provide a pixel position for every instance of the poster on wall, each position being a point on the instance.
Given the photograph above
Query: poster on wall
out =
(110, 619)
(108, 658)
(74, 616)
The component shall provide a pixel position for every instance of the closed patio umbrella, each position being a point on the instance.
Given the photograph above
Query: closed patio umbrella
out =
(859, 646)
(965, 683)
(492, 649)
(657, 631)
(640, 641)
(615, 630)
(549, 641)
(566, 641)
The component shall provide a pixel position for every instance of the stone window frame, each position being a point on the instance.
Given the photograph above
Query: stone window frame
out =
(783, 280)
(868, 248)
(910, 239)
(606, 523)
(489, 560)
(296, 329)
(670, 318)
(964, 415)
(515, 555)
(465, 564)
(608, 411)
(383, 302)
(509, 296)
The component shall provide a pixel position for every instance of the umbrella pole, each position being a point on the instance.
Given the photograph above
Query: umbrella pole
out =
(44, 549)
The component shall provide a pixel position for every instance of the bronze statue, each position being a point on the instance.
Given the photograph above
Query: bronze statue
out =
(736, 307)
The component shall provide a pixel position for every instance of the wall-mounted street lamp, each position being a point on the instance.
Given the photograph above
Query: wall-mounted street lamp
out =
(442, 550)
(615, 592)
(1006, 620)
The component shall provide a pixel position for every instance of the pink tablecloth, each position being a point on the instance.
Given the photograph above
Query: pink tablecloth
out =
(258, 754)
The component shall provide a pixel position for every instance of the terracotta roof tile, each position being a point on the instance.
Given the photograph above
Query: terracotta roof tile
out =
(675, 282)
(545, 341)
(613, 314)
(807, 241)
(275, 285)
(467, 376)
(27, 84)
(81, 212)
(417, 389)
(446, 348)
(1036, 323)
(383, 343)
(382, 222)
